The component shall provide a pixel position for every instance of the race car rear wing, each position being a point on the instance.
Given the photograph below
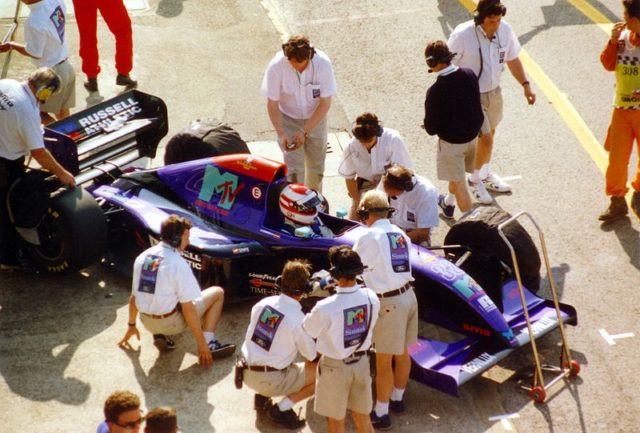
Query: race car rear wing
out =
(107, 136)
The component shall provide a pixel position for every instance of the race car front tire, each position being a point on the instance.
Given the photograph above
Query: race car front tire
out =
(73, 234)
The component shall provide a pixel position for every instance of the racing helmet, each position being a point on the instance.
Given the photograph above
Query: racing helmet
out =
(299, 204)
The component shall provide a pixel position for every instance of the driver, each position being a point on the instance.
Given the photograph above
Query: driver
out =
(299, 205)
(21, 134)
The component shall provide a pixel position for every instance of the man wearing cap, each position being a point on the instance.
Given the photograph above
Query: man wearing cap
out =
(272, 342)
(299, 85)
(21, 134)
(453, 112)
(484, 45)
(415, 200)
(342, 325)
(167, 295)
(46, 45)
(385, 250)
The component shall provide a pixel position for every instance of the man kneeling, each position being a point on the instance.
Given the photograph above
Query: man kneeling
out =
(272, 342)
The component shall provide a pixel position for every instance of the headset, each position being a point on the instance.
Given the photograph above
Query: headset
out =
(176, 238)
(402, 184)
(306, 289)
(433, 61)
(300, 44)
(363, 214)
(337, 272)
(378, 131)
(44, 92)
(488, 8)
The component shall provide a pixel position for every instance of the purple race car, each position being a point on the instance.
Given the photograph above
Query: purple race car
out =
(240, 241)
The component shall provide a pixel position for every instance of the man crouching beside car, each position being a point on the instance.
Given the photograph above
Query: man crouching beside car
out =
(166, 294)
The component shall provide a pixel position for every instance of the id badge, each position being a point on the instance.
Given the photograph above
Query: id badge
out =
(314, 91)
(501, 53)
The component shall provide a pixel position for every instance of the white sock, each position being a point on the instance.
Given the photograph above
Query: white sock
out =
(450, 199)
(485, 170)
(209, 336)
(475, 176)
(381, 409)
(285, 404)
(396, 394)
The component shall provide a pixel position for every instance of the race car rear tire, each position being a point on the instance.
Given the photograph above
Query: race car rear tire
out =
(73, 234)
(478, 231)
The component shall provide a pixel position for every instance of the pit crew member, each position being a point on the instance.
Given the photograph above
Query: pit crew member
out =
(166, 294)
(272, 342)
(385, 250)
(342, 325)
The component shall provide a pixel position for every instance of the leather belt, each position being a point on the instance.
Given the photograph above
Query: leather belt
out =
(263, 368)
(395, 292)
(62, 61)
(161, 316)
(354, 357)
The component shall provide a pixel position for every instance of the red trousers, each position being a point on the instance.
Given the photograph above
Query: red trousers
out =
(623, 131)
(117, 18)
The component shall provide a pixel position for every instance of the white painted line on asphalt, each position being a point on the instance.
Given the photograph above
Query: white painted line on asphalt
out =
(611, 338)
(276, 17)
(504, 420)
(359, 17)
(514, 177)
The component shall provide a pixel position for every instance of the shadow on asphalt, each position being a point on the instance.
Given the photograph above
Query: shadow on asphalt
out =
(169, 8)
(628, 236)
(43, 322)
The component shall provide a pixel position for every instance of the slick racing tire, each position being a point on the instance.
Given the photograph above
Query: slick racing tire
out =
(478, 230)
(73, 234)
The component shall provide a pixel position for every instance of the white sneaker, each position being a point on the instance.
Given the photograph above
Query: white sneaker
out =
(493, 182)
(481, 194)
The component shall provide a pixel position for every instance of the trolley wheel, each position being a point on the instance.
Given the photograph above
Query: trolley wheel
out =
(574, 368)
(537, 394)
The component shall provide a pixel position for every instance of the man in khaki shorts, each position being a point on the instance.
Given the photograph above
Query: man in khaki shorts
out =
(453, 112)
(166, 294)
(343, 326)
(385, 250)
(272, 342)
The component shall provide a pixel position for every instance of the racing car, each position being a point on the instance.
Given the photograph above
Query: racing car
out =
(240, 241)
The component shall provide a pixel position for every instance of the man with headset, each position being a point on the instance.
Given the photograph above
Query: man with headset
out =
(385, 250)
(21, 134)
(166, 294)
(46, 45)
(366, 156)
(272, 342)
(484, 45)
(299, 84)
(343, 325)
(415, 200)
(453, 112)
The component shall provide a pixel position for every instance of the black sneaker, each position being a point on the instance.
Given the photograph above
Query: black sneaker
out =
(219, 350)
(380, 422)
(635, 203)
(617, 209)
(91, 85)
(447, 210)
(163, 343)
(397, 406)
(262, 402)
(287, 419)
(127, 81)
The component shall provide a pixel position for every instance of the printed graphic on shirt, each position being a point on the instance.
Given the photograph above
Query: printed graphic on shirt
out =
(355, 325)
(149, 274)
(399, 252)
(266, 327)
(5, 102)
(57, 18)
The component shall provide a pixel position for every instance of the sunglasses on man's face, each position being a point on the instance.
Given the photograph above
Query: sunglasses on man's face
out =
(131, 424)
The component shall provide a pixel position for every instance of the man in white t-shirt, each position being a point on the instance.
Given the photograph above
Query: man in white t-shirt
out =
(167, 295)
(21, 134)
(45, 43)
(365, 158)
(415, 200)
(484, 45)
(299, 85)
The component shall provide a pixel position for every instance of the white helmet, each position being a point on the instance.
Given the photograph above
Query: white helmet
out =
(299, 204)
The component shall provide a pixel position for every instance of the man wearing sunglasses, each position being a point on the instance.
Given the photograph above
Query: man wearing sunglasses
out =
(122, 413)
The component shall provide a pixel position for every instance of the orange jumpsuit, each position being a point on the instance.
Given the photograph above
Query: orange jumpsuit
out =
(117, 18)
(624, 59)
